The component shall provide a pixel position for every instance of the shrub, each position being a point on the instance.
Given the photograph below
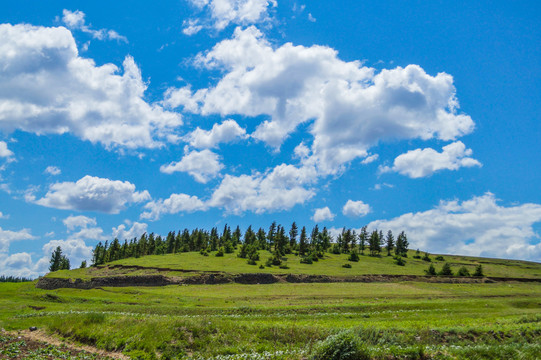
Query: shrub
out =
(251, 262)
(399, 261)
(335, 249)
(446, 270)
(261, 266)
(431, 270)
(284, 266)
(347, 266)
(478, 271)
(417, 254)
(229, 249)
(306, 260)
(440, 258)
(463, 271)
(426, 257)
(220, 252)
(345, 345)
(353, 256)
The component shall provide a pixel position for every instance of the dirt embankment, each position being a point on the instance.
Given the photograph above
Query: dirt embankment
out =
(210, 278)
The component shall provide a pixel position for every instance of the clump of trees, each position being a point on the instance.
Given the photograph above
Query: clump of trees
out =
(13, 279)
(58, 260)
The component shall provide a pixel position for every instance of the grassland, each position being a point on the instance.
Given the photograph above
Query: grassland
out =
(394, 320)
(331, 265)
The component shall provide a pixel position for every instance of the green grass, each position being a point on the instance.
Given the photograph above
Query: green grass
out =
(286, 320)
(331, 265)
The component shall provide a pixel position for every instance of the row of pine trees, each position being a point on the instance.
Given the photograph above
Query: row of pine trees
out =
(278, 240)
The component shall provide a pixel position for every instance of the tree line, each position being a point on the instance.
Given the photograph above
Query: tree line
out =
(309, 245)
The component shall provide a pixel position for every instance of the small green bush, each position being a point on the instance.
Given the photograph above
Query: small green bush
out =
(399, 261)
(431, 270)
(347, 266)
(478, 271)
(446, 270)
(345, 345)
(440, 258)
(463, 271)
(426, 257)
(220, 252)
(306, 260)
(353, 256)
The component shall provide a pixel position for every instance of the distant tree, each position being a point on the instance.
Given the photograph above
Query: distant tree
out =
(402, 244)
(64, 263)
(478, 271)
(374, 243)
(325, 239)
(271, 234)
(249, 237)
(303, 242)
(56, 259)
(426, 257)
(237, 234)
(220, 252)
(399, 261)
(314, 238)
(431, 270)
(446, 270)
(293, 232)
(363, 239)
(83, 264)
(463, 271)
(261, 239)
(390, 242)
(417, 254)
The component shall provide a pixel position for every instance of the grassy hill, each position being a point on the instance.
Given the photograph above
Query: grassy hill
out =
(392, 320)
(192, 263)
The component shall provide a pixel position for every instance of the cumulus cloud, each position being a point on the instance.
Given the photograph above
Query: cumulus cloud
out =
(74, 248)
(4, 151)
(73, 222)
(52, 170)
(278, 189)
(477, 227)
(8, 236)
(75, 20)
(355, 208)
(201, 165)
(174, 204)
(225, 132)
(297, 84)
(92, 194)
(222, 13)
(47, 88)
(422, 163)
(323, 214)
(3, 216)
(122, 233)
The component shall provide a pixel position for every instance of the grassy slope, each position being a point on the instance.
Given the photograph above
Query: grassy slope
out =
(209, 320)
(330, 265)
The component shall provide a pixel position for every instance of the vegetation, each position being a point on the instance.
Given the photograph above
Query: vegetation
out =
(14, 279)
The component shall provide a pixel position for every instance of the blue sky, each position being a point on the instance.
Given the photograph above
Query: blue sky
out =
(118, 118)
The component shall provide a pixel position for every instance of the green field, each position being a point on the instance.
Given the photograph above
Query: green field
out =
(392, 320)
(330, 265)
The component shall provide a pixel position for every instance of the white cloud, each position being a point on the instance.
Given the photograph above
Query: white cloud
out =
(92, 194)
(477, 227)
(4, 216)
(80, 221)
(279, 189)
(47, 88)
(370, 159)
(137, 229)
(201, 165)
(4, 151)
(311, 17)
(174, 204)
(355, 208)
(52, 170)
(75, 20)
(191, 27)
(323, 214)
(225, 132)
(422, 163)
(296, 84)
(226, 12)
(8, 236)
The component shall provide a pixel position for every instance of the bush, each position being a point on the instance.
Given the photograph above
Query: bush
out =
(446, 270)
(431, 270)
(335, 249)
(463, 271)
(345, 345)
(353, 256)
(251, 262)
(440, 258)
(399, 261)
(261, 266)
(220, 252)
(478, 271)
(284, 266)
(347, 266)
(417, 254)
(426, 257)
(306, 260)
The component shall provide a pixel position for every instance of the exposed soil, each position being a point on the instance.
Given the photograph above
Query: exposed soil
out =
(214, 277)
(39, 340)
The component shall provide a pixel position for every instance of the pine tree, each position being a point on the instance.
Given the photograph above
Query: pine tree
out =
(271, 235)
(293, 232)
(390, 242)
(446, 270)
(363, 239)
(83, 264)
(237, 235)
(374, 243)
(478, 271)
(303, 242)
(431, 270)
(64, 263)
(325, 239)
(56, 259)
